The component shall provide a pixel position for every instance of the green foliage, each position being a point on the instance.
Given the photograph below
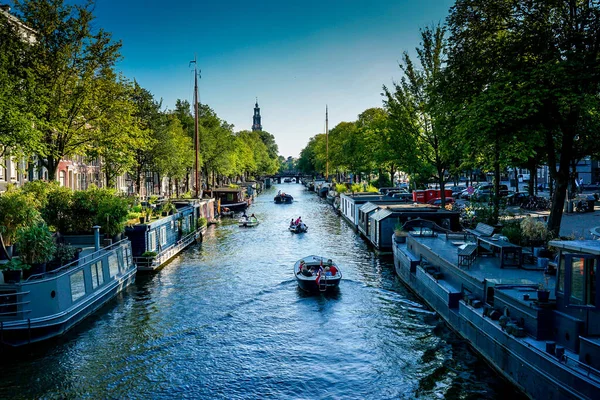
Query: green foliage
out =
(137, 208)
(341, 188)
(149, 254)
(356, 188)
(35, 244)
(534, 230)
(512, 230)
(17, 210)
(57, 212)
(202, 222)
(14, 264)
(40, 191)
(112, 214)
(64, 253)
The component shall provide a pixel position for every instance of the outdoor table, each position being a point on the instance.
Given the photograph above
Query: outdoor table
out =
(510, 254)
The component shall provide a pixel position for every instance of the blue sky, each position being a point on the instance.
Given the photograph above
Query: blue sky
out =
(295, 56)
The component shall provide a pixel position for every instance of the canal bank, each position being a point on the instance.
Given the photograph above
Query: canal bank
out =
(225, 319)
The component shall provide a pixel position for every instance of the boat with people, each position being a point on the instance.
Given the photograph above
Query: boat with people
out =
(283, 198)
(317, 274)
(227, 212)
(298, 226)
(248, 221)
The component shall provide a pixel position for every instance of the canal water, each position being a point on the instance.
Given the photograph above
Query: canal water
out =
(226, 320)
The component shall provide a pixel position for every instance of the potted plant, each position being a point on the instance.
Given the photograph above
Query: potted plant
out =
(543, 293)
(112, 215)
(400, 234)
(535, 232)
(63, 255)
(17, 209)
(12, 270)
(147, 258)
(36, 246)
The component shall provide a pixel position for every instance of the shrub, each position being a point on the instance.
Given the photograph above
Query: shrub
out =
(149, 254)
(14, 264)
(112, 214)
(17, 210)
(534, 230)
(340, 188)
(40, 190)
(512, 230)
(35, 244)
(57, 212)
(64, 253)
(202, 221)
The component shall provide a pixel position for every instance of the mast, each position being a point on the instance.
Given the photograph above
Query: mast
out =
(196, 172)
(327, 142)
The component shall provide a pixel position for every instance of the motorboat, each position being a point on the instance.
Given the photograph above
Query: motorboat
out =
(226, 212)
(298, 228)
(317, 274)
(248, 222)
(283, 198)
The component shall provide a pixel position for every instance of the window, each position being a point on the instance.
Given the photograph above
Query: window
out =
(97, 277)
(62, 178)
(113, 264)
(1, 168)
(13, 168)
(77, 286)
(580, 279)
(163, 235)
(152, 241)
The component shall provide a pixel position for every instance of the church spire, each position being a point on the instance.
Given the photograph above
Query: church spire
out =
(256, 126)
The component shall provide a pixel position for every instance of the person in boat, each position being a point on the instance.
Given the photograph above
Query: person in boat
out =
(299, 220)
(292, 223)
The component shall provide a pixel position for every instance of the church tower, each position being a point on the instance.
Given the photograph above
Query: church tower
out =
(256, 126)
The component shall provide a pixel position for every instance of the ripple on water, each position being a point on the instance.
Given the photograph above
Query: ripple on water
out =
(227, 320)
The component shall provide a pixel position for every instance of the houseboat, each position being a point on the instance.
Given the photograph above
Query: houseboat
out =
(377, 221)
(232, 198)
(48, 304)
(154, 243)
(351, 203)
(546, 343)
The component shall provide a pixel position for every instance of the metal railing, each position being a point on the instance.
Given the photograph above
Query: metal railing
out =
(168, 253)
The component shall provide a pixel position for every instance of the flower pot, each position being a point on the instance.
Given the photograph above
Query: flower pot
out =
(142, 220)
(107, 242)
(34, 270)
(543, 295)
(9, 253)
(400, 239)
(164, 213)
(117, 238)
(12, 276)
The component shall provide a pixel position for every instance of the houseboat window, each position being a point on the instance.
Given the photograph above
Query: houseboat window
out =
(172, 224)
(229, 196)
(561, 275)
(581, 274)
(77, 286)
(163, 235)
(113, 264)
(152, 241)
(97, 278)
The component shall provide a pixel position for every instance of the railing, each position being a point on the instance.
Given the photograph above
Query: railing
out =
(167, 253)
(15, 303)
(82, 261)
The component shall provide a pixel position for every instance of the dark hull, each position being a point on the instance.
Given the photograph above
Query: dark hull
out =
(296, 230)
(323, 192)
(311, 285)
(241, 206)
(283, 200)
(15, 337)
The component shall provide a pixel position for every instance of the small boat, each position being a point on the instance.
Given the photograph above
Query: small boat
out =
(315, 273)
(298, 228)
(283, 198)
(287, 180)
(226, 212)
(248, 222)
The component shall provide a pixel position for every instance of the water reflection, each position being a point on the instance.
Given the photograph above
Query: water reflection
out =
(227, 320)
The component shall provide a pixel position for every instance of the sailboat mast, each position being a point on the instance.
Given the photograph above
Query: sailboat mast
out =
(196, 172)
(327, 142)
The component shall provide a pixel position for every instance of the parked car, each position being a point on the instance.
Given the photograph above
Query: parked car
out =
(485, 191)
(403, 196)
(438, 201)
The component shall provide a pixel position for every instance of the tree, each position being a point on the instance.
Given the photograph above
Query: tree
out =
(17, 92)
(545, 56)
(417, 106)
(70, 68)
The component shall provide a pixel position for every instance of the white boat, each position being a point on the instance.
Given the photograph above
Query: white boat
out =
(317, 274)
(248, 222)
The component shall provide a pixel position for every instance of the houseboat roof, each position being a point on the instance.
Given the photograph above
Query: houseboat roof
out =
(412, 207)
(381, 214)
(228, 190)
(584, 246)
(368, 207)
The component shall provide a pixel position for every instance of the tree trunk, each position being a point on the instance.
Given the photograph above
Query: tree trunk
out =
(51, 165)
